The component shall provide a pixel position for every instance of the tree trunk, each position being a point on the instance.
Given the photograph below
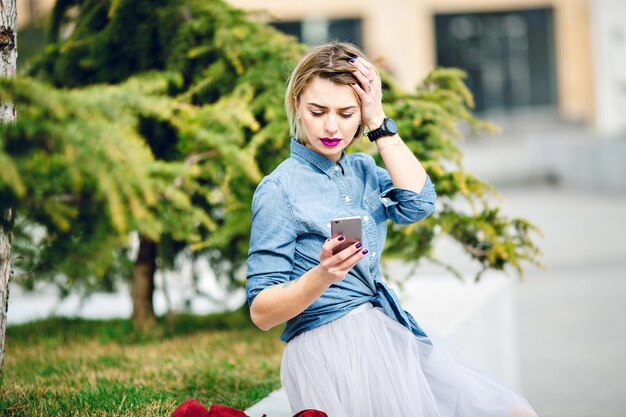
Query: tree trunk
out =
(8, 63)
(143, 285)
(6, 272)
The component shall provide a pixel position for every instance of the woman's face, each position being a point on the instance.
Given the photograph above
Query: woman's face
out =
(330, 115)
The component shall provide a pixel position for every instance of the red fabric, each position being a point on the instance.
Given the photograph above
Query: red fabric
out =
(193, 408)
(219, 410)
(190, 408)
(310, 413)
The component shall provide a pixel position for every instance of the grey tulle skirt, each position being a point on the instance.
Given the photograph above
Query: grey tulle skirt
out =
(368, 365)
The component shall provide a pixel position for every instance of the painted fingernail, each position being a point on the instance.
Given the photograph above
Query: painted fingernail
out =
(341, 238)
(365, 251)
(352, 59)
(358, 245)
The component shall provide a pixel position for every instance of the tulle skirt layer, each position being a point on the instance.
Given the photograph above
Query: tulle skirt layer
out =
(368, 365)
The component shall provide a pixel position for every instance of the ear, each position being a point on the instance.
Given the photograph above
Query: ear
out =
(296, 106)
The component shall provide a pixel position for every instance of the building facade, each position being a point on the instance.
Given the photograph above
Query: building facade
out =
(564, 56)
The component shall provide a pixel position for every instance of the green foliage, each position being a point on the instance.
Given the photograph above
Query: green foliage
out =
(230, 69)
(62, 367)
(183, 148)
(81, 176)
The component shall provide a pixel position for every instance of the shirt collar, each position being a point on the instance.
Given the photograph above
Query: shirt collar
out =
(303, 153)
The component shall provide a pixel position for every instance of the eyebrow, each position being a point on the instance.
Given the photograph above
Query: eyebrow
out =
(326, 108)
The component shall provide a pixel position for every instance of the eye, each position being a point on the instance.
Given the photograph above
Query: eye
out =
(346, 115)
(317, 113)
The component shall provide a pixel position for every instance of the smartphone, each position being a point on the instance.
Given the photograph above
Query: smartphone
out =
(350, 227)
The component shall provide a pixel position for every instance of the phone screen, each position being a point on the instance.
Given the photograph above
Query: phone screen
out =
(350, 227)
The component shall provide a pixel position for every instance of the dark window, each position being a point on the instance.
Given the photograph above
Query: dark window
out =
(344, 30)
(509, 56)
(293, 28)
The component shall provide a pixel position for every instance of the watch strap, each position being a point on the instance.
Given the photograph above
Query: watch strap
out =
(379, 132)
(375, 134)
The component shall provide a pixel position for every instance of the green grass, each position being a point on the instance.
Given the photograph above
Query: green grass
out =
(70, 367)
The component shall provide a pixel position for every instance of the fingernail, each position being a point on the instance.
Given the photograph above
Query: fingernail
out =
(327, 240)
(351, 60)
(365, 251)
(341, 238)
(358, 245)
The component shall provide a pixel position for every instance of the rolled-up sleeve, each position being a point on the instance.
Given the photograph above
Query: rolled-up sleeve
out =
(405, 206)
(272, 239)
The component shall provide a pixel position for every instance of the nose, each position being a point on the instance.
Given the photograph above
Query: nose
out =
(330, 125)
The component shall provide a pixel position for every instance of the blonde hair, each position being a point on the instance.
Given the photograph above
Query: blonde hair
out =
(330, 62)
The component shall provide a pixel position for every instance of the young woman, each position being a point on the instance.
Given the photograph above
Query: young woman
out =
(352, 351)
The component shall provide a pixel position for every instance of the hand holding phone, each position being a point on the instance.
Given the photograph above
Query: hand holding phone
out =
(340, 254)
(350, 227)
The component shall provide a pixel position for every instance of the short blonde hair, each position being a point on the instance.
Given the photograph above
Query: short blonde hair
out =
(330, 62)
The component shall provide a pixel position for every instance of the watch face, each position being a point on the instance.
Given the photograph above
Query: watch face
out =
(390, 126)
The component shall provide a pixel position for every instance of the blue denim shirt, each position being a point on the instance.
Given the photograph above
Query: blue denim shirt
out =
(291, 213)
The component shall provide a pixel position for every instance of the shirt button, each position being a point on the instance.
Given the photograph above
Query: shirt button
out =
(336, 167)
(373, 254)
(347, 199)
(366, 218)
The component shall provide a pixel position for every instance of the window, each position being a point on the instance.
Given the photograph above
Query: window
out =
(319, 30)
(508, 56)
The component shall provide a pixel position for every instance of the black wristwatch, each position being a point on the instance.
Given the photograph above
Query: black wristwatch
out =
(388, 128)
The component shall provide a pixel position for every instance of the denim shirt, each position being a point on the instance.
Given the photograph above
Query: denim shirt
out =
(291, 213)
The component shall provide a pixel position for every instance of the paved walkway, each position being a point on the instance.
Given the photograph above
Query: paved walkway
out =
(572, 317)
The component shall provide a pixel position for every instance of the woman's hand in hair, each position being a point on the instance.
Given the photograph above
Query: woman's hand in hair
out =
(369, 91)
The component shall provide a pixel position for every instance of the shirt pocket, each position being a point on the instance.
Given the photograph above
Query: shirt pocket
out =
(375, 206)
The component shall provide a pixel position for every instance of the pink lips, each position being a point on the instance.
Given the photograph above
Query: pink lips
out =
(330, 142)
